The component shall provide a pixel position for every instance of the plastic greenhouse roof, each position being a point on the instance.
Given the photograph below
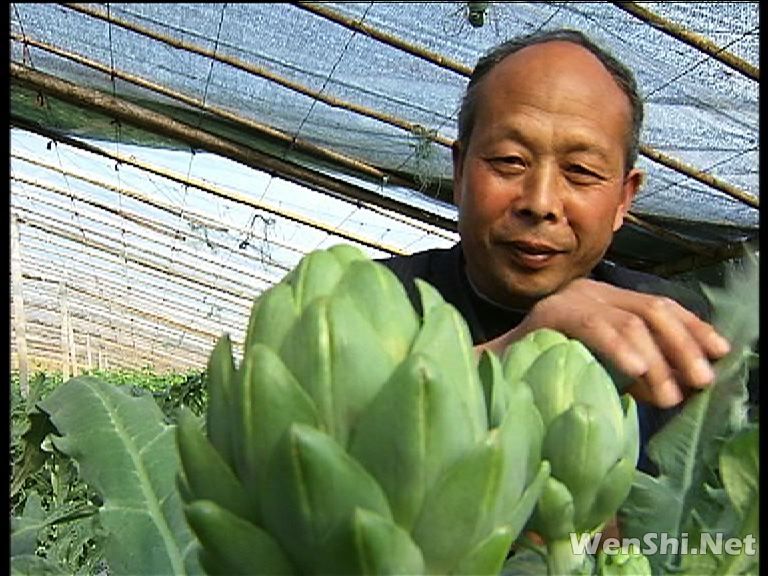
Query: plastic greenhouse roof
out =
(311, 123)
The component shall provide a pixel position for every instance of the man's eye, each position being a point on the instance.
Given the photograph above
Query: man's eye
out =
(580, 170)
(509, 161)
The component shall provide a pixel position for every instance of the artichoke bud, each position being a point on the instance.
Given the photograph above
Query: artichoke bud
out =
(272, 316)
(495, 389)
(206, 476)
(487, 558)
(369, 544)
(519, 356)
(314, 485)
(408, 436)
(553, 515)
(346, 254)
(522, 434)
(428, 295)
(337, 357)
(612, 493)
(553, 375)
(380, 297)
(316, 275)
(444, 337)
(231, 545)
(581, 446)
(631, 429)
(221, 374)
(270, 401)
(595, 387)
(460, 509)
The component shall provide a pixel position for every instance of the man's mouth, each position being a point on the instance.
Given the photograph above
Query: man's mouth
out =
(532, 255)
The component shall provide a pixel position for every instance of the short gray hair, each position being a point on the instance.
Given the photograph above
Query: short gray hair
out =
(621, 74)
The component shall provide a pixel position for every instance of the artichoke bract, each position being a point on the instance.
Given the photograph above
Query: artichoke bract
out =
(591, 439)
(358, 437)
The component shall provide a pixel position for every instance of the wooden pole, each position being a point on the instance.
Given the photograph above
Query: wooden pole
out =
(248, 125)
(65, 355)
(198, 138)
(20, 320)
(444, 229)
(653, 155)
(697, 41)
(88, 353)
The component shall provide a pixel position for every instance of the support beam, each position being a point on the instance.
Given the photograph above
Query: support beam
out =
(20, 319)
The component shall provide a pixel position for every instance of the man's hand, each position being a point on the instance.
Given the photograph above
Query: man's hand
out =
(664, 348)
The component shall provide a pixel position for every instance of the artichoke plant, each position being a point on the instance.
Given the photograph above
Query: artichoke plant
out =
(591, 440)
(357, 437)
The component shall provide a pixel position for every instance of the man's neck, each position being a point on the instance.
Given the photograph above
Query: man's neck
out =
(479, 293)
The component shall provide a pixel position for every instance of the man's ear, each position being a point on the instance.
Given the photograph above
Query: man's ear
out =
(629, 189)
(457, 153)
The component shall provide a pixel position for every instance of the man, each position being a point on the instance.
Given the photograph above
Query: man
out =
(544, 173)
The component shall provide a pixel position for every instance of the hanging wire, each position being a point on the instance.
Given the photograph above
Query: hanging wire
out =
(686, 71)
(327, 79)
(118, 141)
(205, 98)
(26, 54)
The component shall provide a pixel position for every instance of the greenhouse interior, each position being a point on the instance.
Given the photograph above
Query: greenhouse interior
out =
(170, 163)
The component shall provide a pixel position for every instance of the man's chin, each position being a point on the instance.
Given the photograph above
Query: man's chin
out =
(524, 291)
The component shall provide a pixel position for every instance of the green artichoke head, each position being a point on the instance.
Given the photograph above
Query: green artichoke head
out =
(591, 435)
(354, 437)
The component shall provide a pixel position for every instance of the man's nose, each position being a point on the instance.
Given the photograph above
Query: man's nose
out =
(540, 198)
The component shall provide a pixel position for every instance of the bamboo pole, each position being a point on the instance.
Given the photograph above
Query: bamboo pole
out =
(697, 261)
(697, 41)
(71, 345)
(113, 345)
(65, 354)
(155, 294)
(223, 193)
(193, 343)
(109, 292)
(318, 9)
(444, 229)
(650, 153)
(694, 247)
(135, 312)
(198, 138)
(700, 176)
(294, 143)
(88, 352)
(63, 233)
(218, 280)
(158, 228)
(193, 216)
(20, 319)
(261, 72)
(234, 307)
(645, 150)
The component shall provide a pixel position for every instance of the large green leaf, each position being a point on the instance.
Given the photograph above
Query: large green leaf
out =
(686, 450)
(128, 455)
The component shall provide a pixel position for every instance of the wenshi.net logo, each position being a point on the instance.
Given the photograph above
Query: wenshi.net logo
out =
(662, 543)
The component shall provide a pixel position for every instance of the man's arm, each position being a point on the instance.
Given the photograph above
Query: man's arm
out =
(664, 348)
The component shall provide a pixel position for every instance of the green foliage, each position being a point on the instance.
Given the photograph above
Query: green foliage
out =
(704, 477)
(56, 528)
(366, 468)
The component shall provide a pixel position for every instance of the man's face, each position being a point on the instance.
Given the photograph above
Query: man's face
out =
(541, 185)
